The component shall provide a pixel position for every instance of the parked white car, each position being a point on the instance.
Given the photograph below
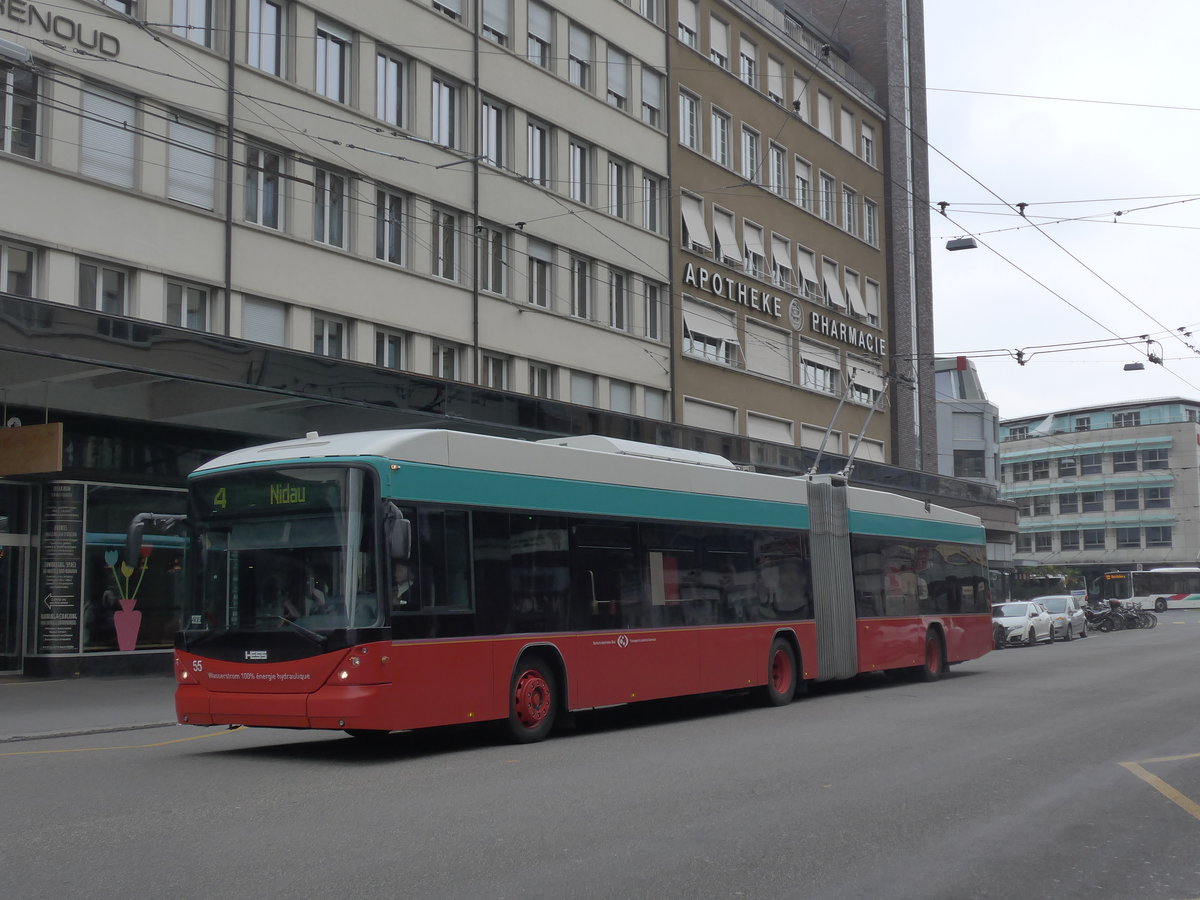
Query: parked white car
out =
(1027, 622)
(1066, 612)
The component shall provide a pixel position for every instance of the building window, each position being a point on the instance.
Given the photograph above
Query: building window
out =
(1127, 420)
(1083, 423)
(617, 187)
(18, 112)
(579, 57)
(618, 78)
(1068, 540)
(264, 39)
(654, 403)
(1068, 503)
(1018, 432)
(17, 266)
(496, 21)
(1156, 498)
(752, 238)
(720, 138)
(264, 170)
(265, 321)
(581, 288)
(803, 182)
(329, 336)
(850, 210)
(1125, 461)
(828, 198)
(1024, 543)
(781, 263)
(776, 170)
(689, 134)
(653, 311)
(444, 125)
(495, 371)
(620, 396)
(1128, 537)
(540, 44)
(192, 19)
(445, 244)
(390, 87)
(1043, 542)
(541, 271)
(1093, 539)
(1091, 464)
(451, 8)
(493, 259)
(751, 154)
(1127, 498)
(389, 227)
(1091, 501)
(1020, 471)
(710, 334)
(492, 133)
(1158, 535)
(107, 137)
(391, 350)
(651, 202)
(103, 288)
(871, 223)
(329, 208)
(748, 63)
(687, 24)
(538, 154)
(333, 61)
(718, 42)
(541, 380)
(580, 159)
(1041, 469)
(819, 377)
(446, 360)
(968, 464)
(825, 114)
(1067, 467)
(187, 305)
(727, 248)
(618, 300)
(867, 144)
(1155, 459)
(191, 164)
(583, 388)
(652, 94)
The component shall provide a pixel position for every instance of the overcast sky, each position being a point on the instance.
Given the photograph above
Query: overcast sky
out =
(1128, 162)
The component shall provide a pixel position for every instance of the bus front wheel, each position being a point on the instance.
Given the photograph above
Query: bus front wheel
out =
(532, 700)
(1160, 605)
(781, 674)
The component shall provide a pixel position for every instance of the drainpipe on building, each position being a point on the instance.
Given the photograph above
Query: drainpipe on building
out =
(477, 149)
(229, 104)
(909, 180)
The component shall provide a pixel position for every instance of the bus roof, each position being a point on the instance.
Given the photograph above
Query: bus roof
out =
(590, 458)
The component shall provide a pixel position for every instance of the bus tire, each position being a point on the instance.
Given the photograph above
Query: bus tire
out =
(532, 700)
(935, 658)
(782, 674)
(1160, 604)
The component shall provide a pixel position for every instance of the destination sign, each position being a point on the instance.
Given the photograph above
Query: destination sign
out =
(267, 492)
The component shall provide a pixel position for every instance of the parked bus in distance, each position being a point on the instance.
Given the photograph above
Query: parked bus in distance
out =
(395, 580)
(1157, 589)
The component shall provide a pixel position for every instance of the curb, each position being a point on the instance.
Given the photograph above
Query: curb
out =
(79, 732)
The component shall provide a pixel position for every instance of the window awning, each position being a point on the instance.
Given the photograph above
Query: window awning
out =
(818, 355)
(867, 378)
(832, 289)
(855, 297)
(693, 220)
(723, 226)
(710, 322)
(754, 241)
(808, 268)
(779, 253)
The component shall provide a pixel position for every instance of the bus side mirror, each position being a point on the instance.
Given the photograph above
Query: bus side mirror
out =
(397, 532)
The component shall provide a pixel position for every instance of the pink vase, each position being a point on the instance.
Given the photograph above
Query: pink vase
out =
(127, 622)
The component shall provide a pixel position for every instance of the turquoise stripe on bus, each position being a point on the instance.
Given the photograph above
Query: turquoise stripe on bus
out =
(441, 484)
(884, 525)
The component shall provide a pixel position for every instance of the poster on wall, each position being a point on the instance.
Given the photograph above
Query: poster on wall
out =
(59, 583)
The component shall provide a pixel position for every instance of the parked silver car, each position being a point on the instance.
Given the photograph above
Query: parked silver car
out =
(1067, 612)
(1027, 622)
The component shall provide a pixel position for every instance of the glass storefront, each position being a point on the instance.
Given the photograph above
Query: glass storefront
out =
(14, 545)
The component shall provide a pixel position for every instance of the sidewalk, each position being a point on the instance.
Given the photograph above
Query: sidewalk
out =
(32, 708)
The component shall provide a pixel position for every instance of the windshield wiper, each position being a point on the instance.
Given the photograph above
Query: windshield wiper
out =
(319, 639)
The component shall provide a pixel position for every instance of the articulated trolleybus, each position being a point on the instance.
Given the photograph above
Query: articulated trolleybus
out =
(395, 580)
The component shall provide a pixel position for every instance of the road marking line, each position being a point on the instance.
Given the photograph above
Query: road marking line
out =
(194, 737)
(1179, 799)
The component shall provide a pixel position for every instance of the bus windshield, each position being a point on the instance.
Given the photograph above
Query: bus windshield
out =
(285, 548)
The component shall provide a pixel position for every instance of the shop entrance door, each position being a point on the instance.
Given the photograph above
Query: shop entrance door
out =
(14, 553)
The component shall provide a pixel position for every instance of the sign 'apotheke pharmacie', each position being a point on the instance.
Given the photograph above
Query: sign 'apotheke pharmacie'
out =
(62, 27)
(754, 298)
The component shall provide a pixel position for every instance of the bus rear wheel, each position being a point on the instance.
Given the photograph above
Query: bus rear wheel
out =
(532, 700)
(935, 658)
(781, 674)
(1160, 605)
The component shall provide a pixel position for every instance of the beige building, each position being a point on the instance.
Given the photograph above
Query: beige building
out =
(779, 261)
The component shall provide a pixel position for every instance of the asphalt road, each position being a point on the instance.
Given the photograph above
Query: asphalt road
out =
(1064, 771)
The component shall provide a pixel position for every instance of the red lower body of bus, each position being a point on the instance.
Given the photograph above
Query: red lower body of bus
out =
(403, 685)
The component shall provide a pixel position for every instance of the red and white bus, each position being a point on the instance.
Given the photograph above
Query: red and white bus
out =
(1157, 589)
(395, 580)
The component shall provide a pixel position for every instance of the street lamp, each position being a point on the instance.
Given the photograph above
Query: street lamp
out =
(963, 243)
